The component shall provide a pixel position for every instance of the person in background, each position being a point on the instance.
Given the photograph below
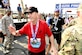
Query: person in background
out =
(71, 43)
(56, 24)
(35, 30)
(6, 21)
(67, 23)
(48, 19)
(19, 9)
(25, 8)
(72, 22)
(70, 18)
(25, 15)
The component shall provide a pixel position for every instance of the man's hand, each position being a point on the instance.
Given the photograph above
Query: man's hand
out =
(53, 50)
(12, 29)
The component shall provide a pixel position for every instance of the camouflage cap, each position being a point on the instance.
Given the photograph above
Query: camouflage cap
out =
(80, 7)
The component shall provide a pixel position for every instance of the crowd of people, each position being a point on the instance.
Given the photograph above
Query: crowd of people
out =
(36, 33)
(64, 34)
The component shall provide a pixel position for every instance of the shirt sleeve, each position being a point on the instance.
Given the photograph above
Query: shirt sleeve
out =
(23, 30)
(4, 25)
(48, 31)
(71, 23)
(68, 43)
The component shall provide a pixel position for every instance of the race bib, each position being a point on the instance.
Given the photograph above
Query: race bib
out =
(35, 43)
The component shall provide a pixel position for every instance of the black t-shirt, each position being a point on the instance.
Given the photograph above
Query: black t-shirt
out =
(59, 24)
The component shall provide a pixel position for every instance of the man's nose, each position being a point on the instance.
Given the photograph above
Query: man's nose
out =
(28, 15)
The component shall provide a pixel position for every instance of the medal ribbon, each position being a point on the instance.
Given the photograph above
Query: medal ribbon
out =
(36, 29)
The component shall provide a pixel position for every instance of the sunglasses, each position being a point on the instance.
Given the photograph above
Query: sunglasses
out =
(28, 12)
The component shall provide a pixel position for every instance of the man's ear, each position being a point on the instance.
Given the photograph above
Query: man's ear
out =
(78, 13)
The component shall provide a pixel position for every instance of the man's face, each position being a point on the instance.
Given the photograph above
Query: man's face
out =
(56, 13)
(32, 16)
(9, 13)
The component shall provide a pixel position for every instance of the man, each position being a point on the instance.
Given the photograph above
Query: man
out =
(69, 22)
(25, 9)
(72, 22)
(56, 24)
(71, 43)
(36, 30)
(6, 21)
(19, 9)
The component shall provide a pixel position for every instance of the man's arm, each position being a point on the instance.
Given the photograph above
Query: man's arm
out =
(4, 26)
(49, 33)
(67, 42)
(52, 40)
(53, 47)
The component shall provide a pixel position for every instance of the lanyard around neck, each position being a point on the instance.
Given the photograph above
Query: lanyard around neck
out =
(36, 29)
(55, 21)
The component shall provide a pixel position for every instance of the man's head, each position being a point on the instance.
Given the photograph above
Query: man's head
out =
(18, 4)
(25, 5)
(32, 9)
(8, 12)
(32, 12)
(56, 12)
(79, 10)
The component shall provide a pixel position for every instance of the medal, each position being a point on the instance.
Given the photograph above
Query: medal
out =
(34, 41)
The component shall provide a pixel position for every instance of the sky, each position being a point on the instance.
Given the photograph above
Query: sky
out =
(44, 6)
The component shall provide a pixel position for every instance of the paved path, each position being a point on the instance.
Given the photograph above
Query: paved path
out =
(21, 43)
